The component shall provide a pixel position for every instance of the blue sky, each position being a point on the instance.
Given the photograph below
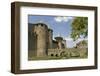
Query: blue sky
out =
(61, 25)
(58, 24)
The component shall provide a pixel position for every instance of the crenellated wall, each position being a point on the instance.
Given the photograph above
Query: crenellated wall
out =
(40, 39)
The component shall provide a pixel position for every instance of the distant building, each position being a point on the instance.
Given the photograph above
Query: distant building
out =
(40, 39)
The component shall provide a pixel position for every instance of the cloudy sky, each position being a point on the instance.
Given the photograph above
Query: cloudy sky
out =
(61, 25)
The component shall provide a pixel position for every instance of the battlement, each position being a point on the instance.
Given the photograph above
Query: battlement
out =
(40, 25)
(50, 30)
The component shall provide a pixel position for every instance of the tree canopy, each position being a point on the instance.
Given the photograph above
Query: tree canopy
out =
(79, 27)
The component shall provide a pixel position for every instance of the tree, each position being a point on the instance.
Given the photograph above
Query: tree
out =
(79, 27)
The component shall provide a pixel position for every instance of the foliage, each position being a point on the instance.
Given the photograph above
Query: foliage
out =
(84, 42)
(79, 27)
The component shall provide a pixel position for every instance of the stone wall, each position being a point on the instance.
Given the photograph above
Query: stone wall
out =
(68, 52)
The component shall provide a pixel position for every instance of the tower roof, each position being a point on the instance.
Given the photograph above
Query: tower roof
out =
(58, 38)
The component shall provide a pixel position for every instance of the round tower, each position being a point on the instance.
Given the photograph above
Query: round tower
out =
(50, 34)
(41, 31)
(59, 40)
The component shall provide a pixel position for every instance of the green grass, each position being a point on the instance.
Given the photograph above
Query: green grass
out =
(43, 58)
(54, 58)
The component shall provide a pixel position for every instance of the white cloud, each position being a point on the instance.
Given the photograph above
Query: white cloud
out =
(63, 19)
(67, 18)
(58, 19)
(68, 38)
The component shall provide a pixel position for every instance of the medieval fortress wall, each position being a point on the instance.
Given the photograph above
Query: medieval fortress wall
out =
(68, 52)
(40, 41)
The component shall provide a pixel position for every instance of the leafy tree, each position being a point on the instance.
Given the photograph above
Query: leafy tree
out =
(79, 27)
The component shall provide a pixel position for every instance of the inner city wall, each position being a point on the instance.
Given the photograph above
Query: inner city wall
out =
(68, 52)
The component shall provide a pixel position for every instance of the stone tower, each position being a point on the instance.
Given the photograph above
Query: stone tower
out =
(59, 40)
(50, 34)
(41, 30)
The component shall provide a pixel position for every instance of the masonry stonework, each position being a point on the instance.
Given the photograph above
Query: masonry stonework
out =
(41, 43)
(43, 39)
